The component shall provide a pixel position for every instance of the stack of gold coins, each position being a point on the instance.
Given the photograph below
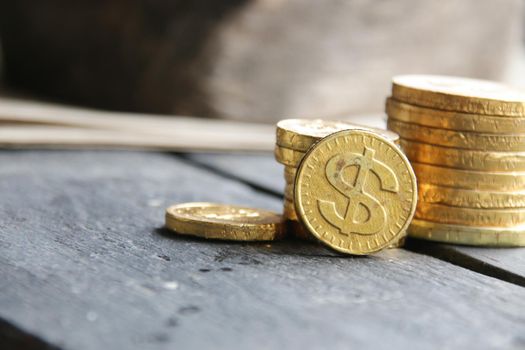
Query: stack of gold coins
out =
(465, 139)
(294, 139)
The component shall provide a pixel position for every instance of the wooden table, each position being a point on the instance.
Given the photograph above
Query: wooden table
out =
(86, 264)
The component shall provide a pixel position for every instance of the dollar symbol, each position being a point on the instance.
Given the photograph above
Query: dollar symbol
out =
(376, 214)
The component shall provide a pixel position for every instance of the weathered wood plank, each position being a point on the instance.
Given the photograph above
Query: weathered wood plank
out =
(264, 171)
(84, 265)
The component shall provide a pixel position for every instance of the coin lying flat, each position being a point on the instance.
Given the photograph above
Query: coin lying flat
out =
(469, 216)
(468, 235)
(288, 156)
(355, 191)
(227, 222)
(458, 197)
(288, 191)
(469, 179)
(289, 212)
(453, 120)
(300, 134)
(459, 94)
(458, 139)
(289, 174)
(463, 158)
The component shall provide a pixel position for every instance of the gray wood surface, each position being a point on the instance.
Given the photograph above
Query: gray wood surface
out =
(85, 265)
(263, 170)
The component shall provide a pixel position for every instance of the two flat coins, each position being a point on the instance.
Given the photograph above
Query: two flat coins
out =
(356, 191)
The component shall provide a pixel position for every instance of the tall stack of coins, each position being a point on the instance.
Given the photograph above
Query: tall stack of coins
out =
(294, 138)
(465, 139)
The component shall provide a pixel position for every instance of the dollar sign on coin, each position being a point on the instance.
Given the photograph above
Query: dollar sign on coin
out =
(355, 191)
(376, 216)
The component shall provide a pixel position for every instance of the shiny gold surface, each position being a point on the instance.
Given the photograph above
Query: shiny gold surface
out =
(468, 235)
(458, 139)
(469, 216)
(300, 134)
(287, 156)
(226, 222)
(289, 174)
(459, 94)
(458, 197)
(355, 191)
(452, 120)
(463, 158)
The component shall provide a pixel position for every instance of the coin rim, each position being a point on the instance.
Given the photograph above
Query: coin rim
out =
(201, 227)
(467, 235)
(343, 133)
(411, 94)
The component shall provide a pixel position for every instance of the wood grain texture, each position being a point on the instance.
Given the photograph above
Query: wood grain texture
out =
(264, 171)
(85, 265)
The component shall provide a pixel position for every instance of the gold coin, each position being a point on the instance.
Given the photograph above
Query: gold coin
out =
(287, 156)
(221, 221)
(459, 94)
(469, 179)
(453, 120)
(355, 191)
(289, 210)
(458, 197)
(459, 139)
(468, 235)
(463, 158)
(300, 134)
(289, 174)
(470, 217)
(288, 191)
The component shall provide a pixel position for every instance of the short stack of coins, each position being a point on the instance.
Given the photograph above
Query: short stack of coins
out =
(465, 139)
(294, 137)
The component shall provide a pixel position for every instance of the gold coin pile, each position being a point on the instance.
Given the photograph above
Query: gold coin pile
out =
(347, 186)
(294, 137)
(465, 139)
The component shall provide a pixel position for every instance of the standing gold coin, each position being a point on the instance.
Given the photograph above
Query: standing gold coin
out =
(289, 174)
(458, 197)
(287, 156)
(469, 179)
(355, 191)
(227, 222)
(459, 94)
(469, 216)
(463, 158)
(300, 134)
(468, 235)
(459, 139)
(452, 120)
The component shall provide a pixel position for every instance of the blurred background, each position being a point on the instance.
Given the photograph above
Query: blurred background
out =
(255, 60)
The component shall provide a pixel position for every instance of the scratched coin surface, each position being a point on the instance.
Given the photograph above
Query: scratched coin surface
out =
(356, 192)
(469, 179)
(459, 94)
(468, 235)
(470, 216)
(459, 139)
(226, 222)
(459, 197)
(300, 134)
(289, 174)
(288, 156)
(463, 158)
(453, 120)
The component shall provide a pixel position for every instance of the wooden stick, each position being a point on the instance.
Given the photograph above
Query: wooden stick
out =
(48, 125)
